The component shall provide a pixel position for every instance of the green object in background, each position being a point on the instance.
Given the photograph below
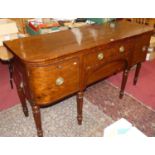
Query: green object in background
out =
(100, 20)
(30, 31)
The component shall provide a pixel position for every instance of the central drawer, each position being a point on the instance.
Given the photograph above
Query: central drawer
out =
(53, 82)
(105, 54)
(104, 61)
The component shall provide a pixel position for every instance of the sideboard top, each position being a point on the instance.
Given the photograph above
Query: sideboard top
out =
(50, 46)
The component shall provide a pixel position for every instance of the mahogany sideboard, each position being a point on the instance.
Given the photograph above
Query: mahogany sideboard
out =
(47, 68)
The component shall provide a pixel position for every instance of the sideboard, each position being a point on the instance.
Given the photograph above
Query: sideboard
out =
(47, 68)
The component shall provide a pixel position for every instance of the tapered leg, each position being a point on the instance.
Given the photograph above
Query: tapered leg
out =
(23, 101)
(11, 74)
(79, 107)
(37, 119)
(137, 73)
(124, 80)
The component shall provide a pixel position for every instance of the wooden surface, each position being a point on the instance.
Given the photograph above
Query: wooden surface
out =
(50, 46)
(49, 67)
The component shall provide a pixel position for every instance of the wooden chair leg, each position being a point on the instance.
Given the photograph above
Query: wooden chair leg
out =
(79, 107)
(37, 119)
(124, 80)
(11, 74)
(137, 73)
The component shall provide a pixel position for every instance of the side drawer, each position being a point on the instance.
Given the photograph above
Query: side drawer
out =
(141, 45)
(53, 82)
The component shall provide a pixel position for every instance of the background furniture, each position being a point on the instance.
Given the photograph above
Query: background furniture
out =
(49, 67)
(21, 24)
(8, 31)
(7, 57)
(150, 22)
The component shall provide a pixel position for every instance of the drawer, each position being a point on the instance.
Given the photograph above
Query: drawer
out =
(53, 82)
(104, 71)
(101, 55)
(141, 45)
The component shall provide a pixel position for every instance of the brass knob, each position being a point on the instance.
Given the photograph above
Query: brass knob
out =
(144, 48)
(121, 49)
(100, 56)
(59, 81)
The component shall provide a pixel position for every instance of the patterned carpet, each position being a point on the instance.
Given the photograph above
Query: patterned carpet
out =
(101, 107)
(105, 96)
(58, 120)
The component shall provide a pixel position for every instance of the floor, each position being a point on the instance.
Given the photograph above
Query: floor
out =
(144, 91)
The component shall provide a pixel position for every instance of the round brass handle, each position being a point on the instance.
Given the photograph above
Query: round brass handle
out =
(121, 49)
(59, 81)
(144, 48)
(100, 56)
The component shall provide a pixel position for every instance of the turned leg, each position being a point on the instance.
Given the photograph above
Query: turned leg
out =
(79, 107)
(11, 74)
(37, 119)
(23, 100)
(124, 80)
(137, 73)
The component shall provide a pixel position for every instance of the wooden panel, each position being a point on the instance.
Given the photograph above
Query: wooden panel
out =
(20, 77)
(43, 81)
(104, 71)
(141, 46)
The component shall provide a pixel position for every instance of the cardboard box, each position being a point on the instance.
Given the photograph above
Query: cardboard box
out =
(7, 37)
(122, 128)
(7, 26)
(150, 56)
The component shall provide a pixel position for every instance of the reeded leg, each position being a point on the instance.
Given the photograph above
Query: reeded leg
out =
(124, 80)
(37, 119)
(23, 101)
(79, 107)
(137, 73)
(11, 74)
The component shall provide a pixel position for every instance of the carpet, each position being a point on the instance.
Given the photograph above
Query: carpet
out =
(8, 96)
(58, 120)
(106, 97)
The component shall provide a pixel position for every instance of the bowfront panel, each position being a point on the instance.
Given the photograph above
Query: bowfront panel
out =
(51, 82)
